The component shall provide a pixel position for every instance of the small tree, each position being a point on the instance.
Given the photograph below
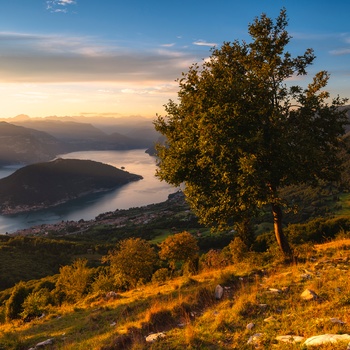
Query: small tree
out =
(14, 305)
(239, 133)
(133, 262)
(73, 280)
(35, 304)
(179, 248)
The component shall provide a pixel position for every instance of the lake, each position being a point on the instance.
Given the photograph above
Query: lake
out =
(149, 190)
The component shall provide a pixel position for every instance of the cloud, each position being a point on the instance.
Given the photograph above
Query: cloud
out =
(340, 52)
(59, 5)
(204, 43)
(29, 58)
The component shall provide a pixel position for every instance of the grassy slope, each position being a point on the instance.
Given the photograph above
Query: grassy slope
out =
(186, 310)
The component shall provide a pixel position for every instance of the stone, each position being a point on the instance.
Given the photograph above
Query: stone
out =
(270, 319)
(111, 295)
(250, 326)
(336, 320)
(274, 290)
(255, 339)
(290, 338)
(44, 343)
(326, 339)
(219, 291)
(154, 337)
(308, 294)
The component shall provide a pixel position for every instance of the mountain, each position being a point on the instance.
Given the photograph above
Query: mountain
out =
(47, 184)
(136, 127)
(79, 136)
(24, 145)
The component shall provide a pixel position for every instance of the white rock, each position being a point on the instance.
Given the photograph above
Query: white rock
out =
(308, 294)
(44, 343)
(326, 339)
(250, 326)
(219, 291)
(290, 338)
(274, 290)
(154, 336)
(255, 339)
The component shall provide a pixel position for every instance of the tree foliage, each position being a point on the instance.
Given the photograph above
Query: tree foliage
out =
(239, 132)
(73, 280)
(133, 262)
(14, 304)
(181, 247)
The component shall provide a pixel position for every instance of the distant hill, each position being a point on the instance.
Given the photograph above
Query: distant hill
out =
(79, 136)
(20, 145)
(47, 184)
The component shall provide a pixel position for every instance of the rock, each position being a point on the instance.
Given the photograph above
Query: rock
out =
(111, 295)
(305, 276)
(255, 339)
(290, 338)
(274, 290)
(154, 337)
(219, 291)
(308, 294)
(250, 326)
(270, 319)
(44, 343)
(336, 320)
(326, 339)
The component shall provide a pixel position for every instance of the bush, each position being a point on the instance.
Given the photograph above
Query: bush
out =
(238, 249)
(132, 263)
(14, 306)
(161, 275)
(35, 303)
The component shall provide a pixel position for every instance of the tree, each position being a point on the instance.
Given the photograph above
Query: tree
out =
(239, 133)
(14, 305)
(181, 247)
(73, 280)
(133, 262)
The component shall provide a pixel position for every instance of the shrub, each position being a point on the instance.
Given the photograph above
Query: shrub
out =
(35, 303)
(179, 248)
(132, 263)
(161, 275)
(14, 306)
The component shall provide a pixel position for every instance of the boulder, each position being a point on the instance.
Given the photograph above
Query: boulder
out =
(326, 339)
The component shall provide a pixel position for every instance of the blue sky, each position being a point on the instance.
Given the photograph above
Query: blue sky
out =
(120, 58)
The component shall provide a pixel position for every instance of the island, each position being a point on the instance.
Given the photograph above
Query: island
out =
(48, 184)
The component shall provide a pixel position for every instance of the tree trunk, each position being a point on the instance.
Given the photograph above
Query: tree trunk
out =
(280, 237)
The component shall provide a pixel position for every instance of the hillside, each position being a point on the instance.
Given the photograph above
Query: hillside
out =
(47, 184)
(20, 145)
(254, 303)
(80, 136)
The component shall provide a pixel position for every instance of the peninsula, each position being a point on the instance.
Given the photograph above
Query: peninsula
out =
(48, 184)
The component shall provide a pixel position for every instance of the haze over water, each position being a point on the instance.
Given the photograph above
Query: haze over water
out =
(135, 194)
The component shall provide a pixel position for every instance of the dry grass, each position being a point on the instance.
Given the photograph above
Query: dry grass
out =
(186, 310)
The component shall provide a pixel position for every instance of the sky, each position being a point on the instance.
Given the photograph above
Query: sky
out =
(122, 58)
